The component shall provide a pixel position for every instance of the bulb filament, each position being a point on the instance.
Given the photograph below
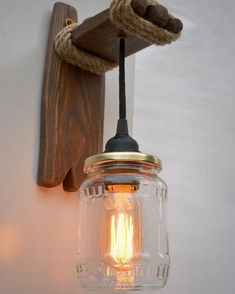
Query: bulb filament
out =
(122, 232)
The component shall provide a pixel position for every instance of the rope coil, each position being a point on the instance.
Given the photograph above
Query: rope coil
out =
(76, 56)
(124, 17)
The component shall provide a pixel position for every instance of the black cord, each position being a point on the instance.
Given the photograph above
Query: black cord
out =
(122, 86)
(122, 142)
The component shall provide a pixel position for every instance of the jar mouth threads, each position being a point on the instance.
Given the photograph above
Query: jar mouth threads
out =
(133, 157)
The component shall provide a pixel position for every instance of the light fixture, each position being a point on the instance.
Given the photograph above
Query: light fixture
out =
(122, 231)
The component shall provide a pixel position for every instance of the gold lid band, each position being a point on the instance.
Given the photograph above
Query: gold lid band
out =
(122, 156)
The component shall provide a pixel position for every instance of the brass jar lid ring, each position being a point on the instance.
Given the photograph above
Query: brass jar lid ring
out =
(122, 156)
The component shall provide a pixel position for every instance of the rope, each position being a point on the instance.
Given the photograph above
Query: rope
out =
(124, 17)
(76, 56)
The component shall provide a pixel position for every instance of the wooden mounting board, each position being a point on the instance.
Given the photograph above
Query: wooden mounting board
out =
(72, 109)
(98, 35)
(72, 112)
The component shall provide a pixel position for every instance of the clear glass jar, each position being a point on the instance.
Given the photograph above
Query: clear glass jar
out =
(123, 242)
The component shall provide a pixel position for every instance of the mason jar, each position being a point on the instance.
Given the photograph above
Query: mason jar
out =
(123, 243)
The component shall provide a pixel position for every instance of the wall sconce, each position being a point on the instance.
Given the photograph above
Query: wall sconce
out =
(122, 232)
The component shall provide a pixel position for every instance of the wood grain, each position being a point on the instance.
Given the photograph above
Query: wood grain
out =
(72, 112)
(98, 35)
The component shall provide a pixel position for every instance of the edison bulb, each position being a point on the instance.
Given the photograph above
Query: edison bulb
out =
(121, 227)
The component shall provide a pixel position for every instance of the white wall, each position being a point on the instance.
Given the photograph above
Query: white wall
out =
(38, 228)
(184, 113)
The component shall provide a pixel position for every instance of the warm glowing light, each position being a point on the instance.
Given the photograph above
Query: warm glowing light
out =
(121, 227)
(10, 242)
(122, 232)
